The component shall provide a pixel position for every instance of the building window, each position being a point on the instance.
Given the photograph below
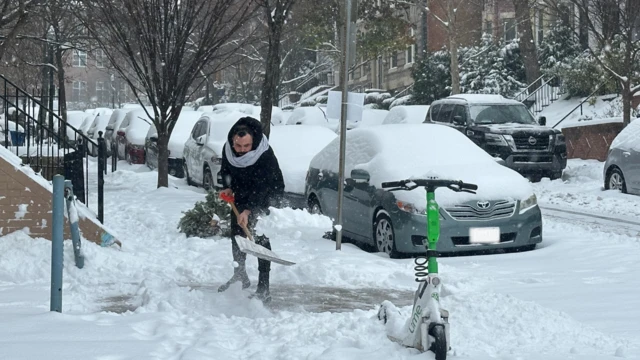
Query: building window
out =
(488, 27)
(393, 60)
(510, 29)
(100, 58)
(351, 74)
(100, 92)
(79, 58)
(79, 90)
(411, 49)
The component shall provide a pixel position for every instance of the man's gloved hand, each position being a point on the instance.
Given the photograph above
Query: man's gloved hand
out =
(243, 219)
(226, 195)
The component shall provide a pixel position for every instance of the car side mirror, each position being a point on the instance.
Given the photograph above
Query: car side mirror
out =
(457, 120)
(153, 138)
(200, 140)
(542, 120)
(110, 127)
(360, 176)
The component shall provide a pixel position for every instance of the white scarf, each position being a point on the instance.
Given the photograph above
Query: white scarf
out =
(247, 159)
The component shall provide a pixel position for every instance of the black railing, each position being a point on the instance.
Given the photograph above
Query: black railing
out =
(579, 106)
(538, 99)
(49, 145)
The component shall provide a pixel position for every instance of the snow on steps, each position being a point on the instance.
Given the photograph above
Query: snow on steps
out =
(26, 204)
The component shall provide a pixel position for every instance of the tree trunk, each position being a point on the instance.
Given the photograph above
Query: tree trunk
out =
(62, 94)
(163, 156)
(452, 33)
(271, 78)
(455, 70)
(527, 44)
(626, 102)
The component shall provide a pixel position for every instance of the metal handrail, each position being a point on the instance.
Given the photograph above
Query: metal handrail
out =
(581, 103)
(53, 146)
(527, 88)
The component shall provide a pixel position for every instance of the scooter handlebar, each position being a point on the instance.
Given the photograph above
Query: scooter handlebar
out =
(410, 184)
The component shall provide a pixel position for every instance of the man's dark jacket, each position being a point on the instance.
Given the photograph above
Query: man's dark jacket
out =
(257, 186)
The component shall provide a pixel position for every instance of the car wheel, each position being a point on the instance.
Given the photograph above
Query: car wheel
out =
(384, 236)
(186, 173)
(314, 206)
(616, 181)
(207, 180)
(555, 175)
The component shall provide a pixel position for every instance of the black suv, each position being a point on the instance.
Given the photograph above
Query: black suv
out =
(505, 129)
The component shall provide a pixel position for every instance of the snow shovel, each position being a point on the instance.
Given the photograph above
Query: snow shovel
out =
(248, 246)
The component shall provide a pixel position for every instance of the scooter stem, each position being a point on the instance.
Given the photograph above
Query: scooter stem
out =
(433, 230)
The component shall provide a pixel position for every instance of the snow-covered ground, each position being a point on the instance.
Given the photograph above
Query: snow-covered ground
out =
(574, 297)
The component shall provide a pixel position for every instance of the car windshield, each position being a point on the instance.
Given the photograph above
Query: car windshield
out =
(500, 114)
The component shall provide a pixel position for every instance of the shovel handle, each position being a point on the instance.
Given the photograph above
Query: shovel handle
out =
(235, 211)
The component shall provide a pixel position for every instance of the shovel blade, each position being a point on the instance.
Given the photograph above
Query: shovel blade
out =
(249, 247)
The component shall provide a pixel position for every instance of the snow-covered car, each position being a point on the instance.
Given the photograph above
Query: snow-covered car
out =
(75, 119)
(312, 115)
(406, 114)
(131, 136)
(203, 149)
(621, 169)
(87, 122)
(179, 136)
(99, 124)
(506, 129)
(116, 118)
(294, 147)
(505, 207)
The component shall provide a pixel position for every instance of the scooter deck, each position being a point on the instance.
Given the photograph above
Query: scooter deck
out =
(249, 247)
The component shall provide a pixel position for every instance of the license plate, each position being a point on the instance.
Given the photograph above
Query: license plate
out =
(486, 235)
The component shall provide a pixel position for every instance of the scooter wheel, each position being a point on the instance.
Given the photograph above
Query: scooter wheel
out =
(439, 345)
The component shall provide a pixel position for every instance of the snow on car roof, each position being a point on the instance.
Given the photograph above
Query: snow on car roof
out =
(484, 99)
(389, 153)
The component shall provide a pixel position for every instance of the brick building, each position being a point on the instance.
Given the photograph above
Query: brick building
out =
(392, 72)
(91, 83)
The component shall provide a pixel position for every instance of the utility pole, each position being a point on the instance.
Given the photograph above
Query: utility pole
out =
(347, 49)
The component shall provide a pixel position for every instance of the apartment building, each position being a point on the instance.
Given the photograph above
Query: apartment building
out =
(91, 82)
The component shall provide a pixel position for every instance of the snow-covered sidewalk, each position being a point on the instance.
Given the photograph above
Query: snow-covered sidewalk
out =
(575, 297)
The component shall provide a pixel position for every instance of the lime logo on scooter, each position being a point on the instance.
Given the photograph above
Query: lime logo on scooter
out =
(436, 296)
(417, 315)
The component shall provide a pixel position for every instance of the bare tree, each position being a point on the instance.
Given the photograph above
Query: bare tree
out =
(615, 29)
(445, 12)
(526, 41)
(276, 12)
(13, 16)
(159, 47)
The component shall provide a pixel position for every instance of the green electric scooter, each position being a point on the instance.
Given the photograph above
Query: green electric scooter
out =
(428, 327)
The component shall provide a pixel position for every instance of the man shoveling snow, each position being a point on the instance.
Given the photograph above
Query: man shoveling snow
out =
(251, 176)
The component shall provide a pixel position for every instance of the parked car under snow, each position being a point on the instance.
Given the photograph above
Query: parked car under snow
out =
(622, 169)
(394, 222)
(179, 136)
